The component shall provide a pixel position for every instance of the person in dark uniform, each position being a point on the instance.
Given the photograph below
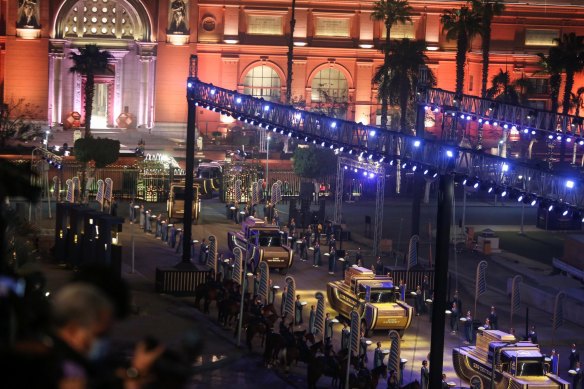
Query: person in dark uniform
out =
(574, 357)
(331, 261)
(424, 375)
(311, 319)
(304, 249)
(456, 299)
(203, 252)
(332, 244)
(419, 301)
(292, 227)
(426, 288)
(532, 336)
(358, 257)
(494, 319)
(345, 337)
(444, 383)
(316, 254)
(378, 356)
(298, 307)
(283, 303)
(468, 335)
(577, 379)
(379, 267)
(454, 314)
(328, 328)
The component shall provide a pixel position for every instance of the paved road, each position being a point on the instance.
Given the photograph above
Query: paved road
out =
(309, 280)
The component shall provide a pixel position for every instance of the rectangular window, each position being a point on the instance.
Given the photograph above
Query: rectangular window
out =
(332, 27)
(400, 31)
(470, 82)
(539, 86)
(535, 37)
(264, 25)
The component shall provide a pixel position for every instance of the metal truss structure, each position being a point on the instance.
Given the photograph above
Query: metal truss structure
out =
(497, 173)
(376, 168)
(526, 117)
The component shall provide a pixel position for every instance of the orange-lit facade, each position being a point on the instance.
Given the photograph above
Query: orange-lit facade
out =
(242, 45)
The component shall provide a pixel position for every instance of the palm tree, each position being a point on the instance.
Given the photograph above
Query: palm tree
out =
(89, 62)
(577, 100)
(487, 10)
(503, 89)
(550, 65)
(401, 76)
(389, 12)
(571, 52)
(461, 24)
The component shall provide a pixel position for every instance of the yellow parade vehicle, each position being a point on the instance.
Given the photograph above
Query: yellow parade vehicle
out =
(510, 363)
(261, 241)
(376, 298)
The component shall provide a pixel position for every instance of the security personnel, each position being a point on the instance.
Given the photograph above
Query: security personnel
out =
(378, 356)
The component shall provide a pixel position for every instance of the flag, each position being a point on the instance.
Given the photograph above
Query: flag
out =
(481, 279)
(413, 251)
(558, 318)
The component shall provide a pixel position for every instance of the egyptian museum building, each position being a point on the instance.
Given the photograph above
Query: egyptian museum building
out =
(242, 45)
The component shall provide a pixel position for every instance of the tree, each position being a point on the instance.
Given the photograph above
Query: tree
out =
(101, 151)
(487, 10)
(463, 25)
(401, 76)
(389, 12)
(15, 181)
(89, 62)
(503, 89)
(550, 65)
(571, 55)
(577, 101)
(16, 122)
(312, 162)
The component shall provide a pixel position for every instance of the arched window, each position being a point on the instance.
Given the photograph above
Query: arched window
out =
(102, 19)
(329, 85)
(262, 81)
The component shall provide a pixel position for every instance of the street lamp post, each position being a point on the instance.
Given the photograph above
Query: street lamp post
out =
(243, 290)
(268, 138)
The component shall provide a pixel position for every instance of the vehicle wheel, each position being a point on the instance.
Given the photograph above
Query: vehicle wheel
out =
(476, 382)
(283, 271)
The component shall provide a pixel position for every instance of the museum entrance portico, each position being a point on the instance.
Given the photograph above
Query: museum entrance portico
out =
(127, 87)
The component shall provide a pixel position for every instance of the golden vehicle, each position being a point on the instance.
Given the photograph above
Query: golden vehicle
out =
(262, 242)
(511, 364)
(175, 205)
(374, 297)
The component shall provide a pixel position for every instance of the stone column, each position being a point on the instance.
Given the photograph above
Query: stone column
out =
(147, 57)
(56, 56)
